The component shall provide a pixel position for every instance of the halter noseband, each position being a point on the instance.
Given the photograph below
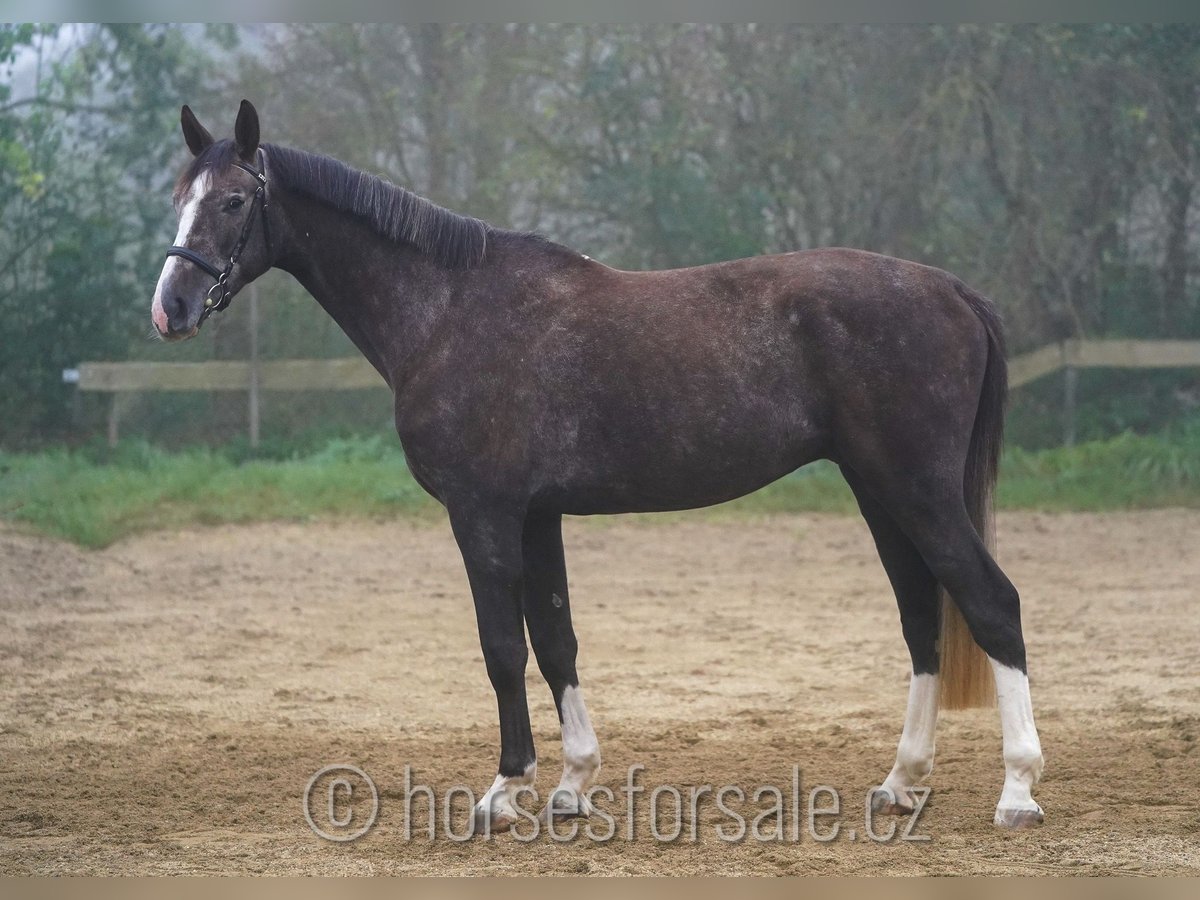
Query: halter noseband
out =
(218, 295)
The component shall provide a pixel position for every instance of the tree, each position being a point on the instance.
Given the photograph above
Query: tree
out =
(85, 147)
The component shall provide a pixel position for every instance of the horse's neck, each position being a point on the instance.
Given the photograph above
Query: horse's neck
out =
(386, 297)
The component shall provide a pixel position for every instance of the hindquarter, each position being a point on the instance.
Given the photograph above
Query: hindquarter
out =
(904, 358)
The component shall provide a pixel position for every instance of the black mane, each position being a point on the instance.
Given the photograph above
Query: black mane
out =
(454, 240)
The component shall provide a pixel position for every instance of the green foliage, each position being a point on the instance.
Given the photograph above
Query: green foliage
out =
(83, 149)
(1052, 166)
(94, 496)
(1109, 402)
(1128, 471)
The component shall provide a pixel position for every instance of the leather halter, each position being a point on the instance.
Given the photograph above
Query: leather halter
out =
(219, 295)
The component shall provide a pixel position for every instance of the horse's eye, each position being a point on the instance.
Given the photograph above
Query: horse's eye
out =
(235, 202)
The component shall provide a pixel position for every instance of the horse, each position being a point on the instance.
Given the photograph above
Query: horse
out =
(532, 382)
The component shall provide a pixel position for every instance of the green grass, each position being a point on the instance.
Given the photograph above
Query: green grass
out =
(1125, 472)
(94, 501)
(94, 497)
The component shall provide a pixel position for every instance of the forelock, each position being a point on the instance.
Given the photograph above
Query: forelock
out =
(214, 159)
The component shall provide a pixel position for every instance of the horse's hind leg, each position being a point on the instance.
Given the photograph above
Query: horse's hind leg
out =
(992, 609)
(916, 591)
(548, 617)
(929, 508)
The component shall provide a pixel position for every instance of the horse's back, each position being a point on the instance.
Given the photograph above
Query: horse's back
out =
(607, 390)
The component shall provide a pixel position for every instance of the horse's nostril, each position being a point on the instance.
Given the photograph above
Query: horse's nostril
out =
(177, 314)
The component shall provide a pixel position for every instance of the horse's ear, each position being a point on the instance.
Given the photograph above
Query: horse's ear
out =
(196, 135)
(245, 132)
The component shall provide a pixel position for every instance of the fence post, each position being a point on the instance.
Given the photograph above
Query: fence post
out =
(121, 401)
(1070, 388)
(114, 420)
(254, 372)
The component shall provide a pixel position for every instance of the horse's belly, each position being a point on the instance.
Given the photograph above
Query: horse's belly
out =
(682, 471)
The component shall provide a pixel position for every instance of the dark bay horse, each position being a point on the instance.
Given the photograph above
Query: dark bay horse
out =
(532, 382)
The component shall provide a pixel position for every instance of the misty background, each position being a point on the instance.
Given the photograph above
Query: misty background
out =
(1052, 167)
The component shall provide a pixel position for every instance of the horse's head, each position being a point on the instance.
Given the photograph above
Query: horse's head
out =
(224, 240)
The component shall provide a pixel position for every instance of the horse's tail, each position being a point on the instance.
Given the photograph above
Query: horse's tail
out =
(966, 675)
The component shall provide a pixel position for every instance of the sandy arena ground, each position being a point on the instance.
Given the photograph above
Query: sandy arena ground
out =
(165, 701)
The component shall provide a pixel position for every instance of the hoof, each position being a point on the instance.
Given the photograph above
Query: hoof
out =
(559, 815)
(885, 803)
(1018, 819)
(500, 822)
(565, 804)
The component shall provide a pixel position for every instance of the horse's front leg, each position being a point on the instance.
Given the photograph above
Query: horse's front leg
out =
(548, 615)
(490, 541)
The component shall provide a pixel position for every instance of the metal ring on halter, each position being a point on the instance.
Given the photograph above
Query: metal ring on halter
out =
(216, 294)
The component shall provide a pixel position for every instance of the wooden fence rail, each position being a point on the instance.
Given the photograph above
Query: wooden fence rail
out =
(1114, 354)
(355, 373)
(1071, 356)
(351, 373)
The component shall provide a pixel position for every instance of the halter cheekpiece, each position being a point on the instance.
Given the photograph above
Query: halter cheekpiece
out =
(218, 295)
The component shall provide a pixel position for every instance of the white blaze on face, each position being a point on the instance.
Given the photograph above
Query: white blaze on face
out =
(187, 218)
